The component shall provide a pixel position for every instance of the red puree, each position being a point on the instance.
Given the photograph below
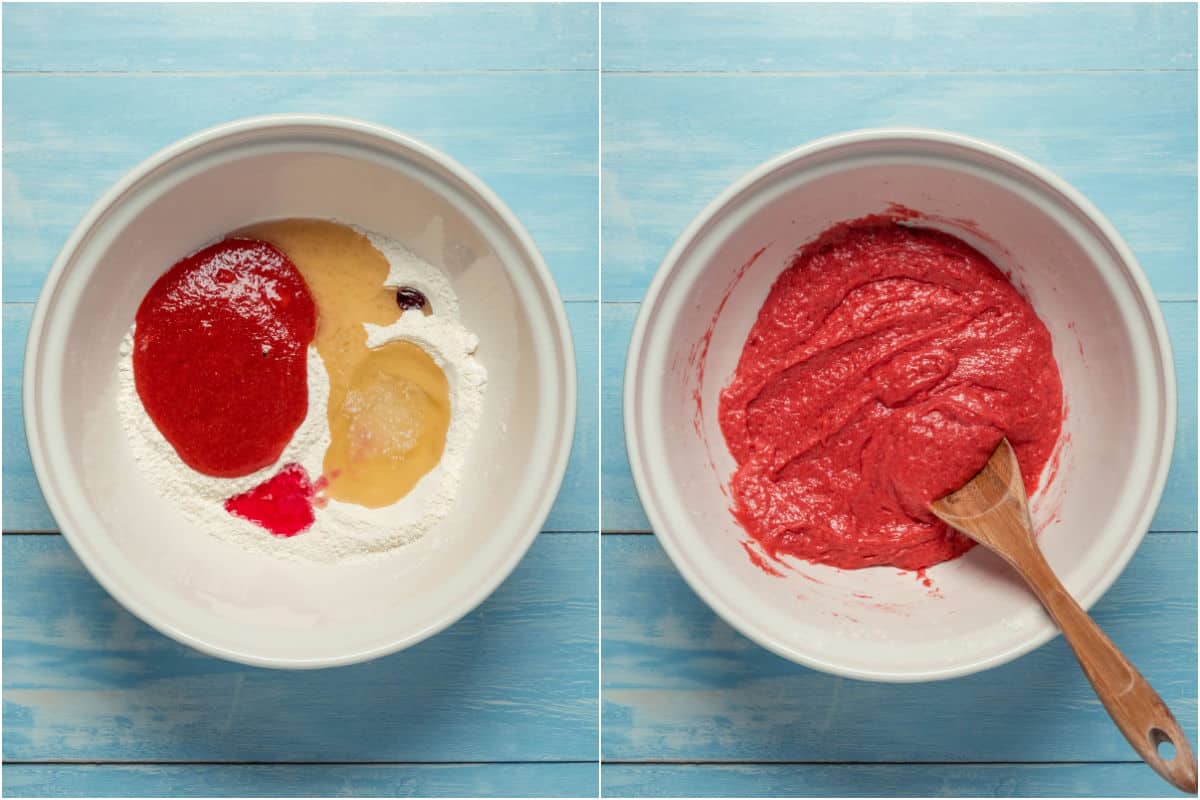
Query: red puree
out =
(220, 353)
(884, 367)
(283, 505)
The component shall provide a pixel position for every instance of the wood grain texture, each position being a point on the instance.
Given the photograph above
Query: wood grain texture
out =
(680, 684)
(301, 780)
(621, 510)
(879, 780)
(573, 510)
(620, 507)
(304, 37)
(905, 37)
(1127, 140)
(530, 137)
(515, 680)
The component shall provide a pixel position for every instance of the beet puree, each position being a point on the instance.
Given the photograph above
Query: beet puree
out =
(884, 367)
(219, 358)
(283, 504)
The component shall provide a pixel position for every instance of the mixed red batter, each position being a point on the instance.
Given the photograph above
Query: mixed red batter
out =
(883, 369)
(220, 352)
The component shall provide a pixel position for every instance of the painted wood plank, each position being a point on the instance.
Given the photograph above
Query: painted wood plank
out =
(574, 509)
(881, 780)
(298, 37)
(620, 507)
(679, 684)
(1126, 140)
(826, 37)
(24, 507)
(301, 780)
(1177, 510)
(515, 680)
(530, 137)
(622, 511)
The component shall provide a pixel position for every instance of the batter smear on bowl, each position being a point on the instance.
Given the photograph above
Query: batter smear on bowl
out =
(884, 367)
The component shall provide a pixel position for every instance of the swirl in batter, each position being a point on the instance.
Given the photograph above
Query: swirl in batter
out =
(884, 367)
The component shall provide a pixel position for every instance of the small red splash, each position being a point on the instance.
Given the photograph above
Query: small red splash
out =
(698, 357)
(319, 500)
(283, 505)
(1071, 326)
(927, 582)
(760, 562)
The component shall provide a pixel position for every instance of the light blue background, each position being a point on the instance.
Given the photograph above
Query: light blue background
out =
(693, 97)
(503, 702)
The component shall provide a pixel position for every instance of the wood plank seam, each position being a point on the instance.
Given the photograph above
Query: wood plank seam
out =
(286, 73)
(829, 763)
(103, 762)
(799, 73)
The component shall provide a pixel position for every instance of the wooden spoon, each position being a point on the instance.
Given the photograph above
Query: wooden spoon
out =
(992, 509)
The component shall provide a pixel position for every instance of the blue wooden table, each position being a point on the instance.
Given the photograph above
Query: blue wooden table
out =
(692, 98)
(95, 702)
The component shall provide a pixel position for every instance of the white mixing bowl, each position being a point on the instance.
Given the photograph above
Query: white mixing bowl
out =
(1109, 341)
(255, 608)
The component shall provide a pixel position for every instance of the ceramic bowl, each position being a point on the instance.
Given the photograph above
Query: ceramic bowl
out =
(1109, 340)
(260, 609)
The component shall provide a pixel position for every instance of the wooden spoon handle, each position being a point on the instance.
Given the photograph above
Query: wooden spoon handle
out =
(1136, 708)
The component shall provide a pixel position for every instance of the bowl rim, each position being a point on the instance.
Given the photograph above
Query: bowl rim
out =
(330, 124)
(633, 379)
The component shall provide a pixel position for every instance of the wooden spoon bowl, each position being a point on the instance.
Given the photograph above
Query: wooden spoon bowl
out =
(993, 510)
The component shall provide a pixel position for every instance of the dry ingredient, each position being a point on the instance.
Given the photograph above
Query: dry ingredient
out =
(340, 530)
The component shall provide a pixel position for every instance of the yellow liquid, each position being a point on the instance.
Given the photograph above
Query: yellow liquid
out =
(389, 407)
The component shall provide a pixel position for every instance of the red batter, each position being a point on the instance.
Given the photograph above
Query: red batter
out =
(884, 367)
(220, 354)
(283, 505)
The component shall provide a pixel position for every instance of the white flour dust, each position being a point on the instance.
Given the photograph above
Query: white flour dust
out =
(341, 530)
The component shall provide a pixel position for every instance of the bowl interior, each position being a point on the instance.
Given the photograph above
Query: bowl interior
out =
(254, 607)
(881, 622)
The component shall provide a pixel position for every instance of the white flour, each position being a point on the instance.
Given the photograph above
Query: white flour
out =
(341, 530)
